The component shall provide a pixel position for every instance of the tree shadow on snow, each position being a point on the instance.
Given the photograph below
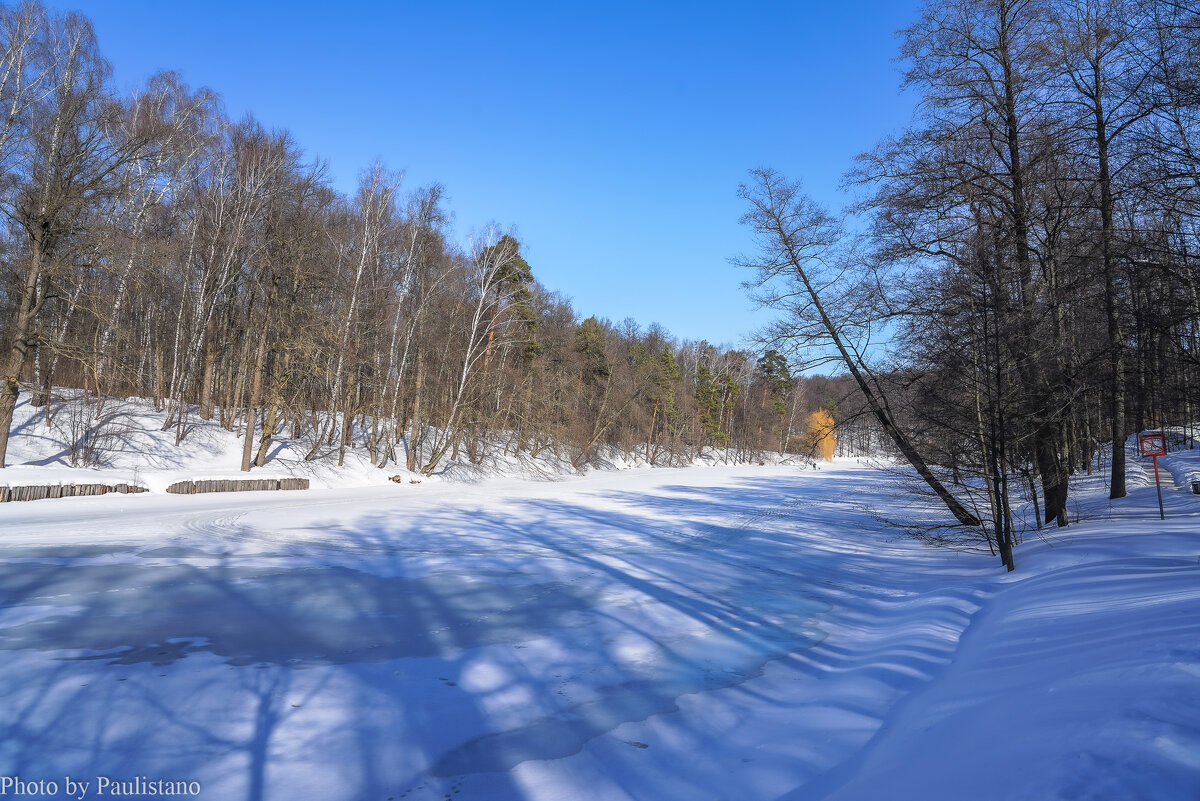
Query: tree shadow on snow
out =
(364, 649)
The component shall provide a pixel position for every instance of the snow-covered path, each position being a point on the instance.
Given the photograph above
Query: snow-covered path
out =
(733, 633)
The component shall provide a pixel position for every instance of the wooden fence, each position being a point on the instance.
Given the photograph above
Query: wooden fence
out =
(237, 485)
(42, 492)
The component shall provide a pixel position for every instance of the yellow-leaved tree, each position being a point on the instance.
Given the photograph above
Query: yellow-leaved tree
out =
(821, 437)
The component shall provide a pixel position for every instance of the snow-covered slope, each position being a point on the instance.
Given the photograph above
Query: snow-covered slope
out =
(736, 633)
(127, 441)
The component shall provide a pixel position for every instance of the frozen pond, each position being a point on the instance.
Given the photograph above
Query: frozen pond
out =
(491, 642)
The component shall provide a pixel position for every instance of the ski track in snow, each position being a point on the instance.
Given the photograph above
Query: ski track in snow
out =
(734, 633)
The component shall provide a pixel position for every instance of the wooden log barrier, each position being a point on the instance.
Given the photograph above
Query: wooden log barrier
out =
(237, 485)
(39, 492)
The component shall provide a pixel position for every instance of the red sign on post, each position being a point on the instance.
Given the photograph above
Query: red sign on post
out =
(1153, 444)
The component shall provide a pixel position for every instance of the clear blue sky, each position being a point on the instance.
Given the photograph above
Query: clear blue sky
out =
(611, 135)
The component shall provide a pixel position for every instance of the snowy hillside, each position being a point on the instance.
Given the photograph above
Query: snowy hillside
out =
(125, 441)
(128, 441)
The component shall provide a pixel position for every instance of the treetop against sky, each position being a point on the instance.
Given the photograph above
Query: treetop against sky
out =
(612, 136)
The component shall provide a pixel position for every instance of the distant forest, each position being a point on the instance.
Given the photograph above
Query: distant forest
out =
(156, 248)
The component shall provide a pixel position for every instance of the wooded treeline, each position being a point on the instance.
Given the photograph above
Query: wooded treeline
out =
(156, 248)
(1029, 245)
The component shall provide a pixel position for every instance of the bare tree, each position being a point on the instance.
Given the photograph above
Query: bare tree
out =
(490, 265)
(172, 121)
(75, 156)
(1107, 75)
(801, 259)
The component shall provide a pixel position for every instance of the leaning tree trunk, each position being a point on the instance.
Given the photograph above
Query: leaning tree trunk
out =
(881, 412)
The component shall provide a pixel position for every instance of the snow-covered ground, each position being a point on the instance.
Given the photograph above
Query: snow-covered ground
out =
(735, 633)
